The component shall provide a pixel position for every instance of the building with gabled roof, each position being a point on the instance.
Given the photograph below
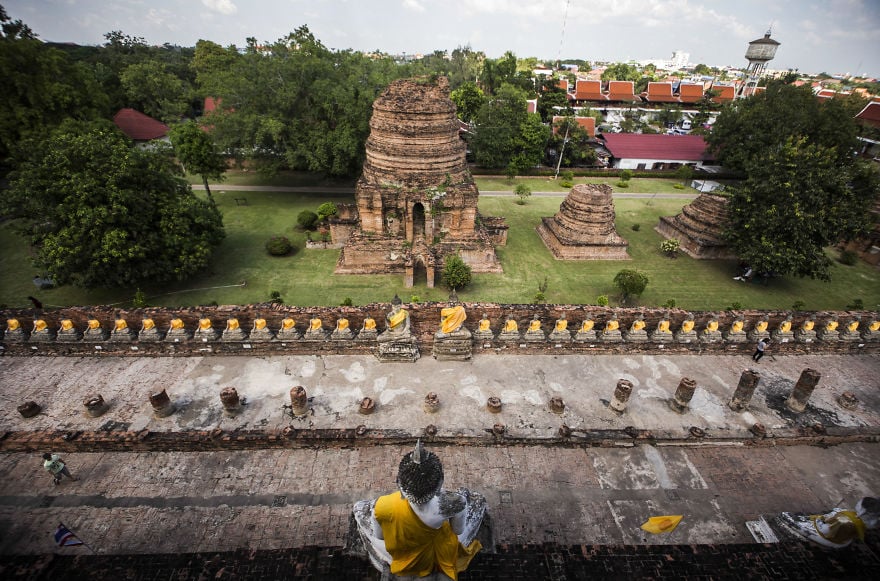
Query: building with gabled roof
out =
(690, 92)
(870, 114)
(622, 91)
(139, 127)
(655, 151)
(660, 93)
(589, 91)
(726, 94)
(588, 123)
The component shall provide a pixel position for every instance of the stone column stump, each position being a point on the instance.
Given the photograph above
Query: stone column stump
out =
(230, 400)
(748, 381)
(621, 395)
(299, 400)
(29, 409)
(162, 405)
(797, 401)
(95, 405)
(683, 395)
(432, 403)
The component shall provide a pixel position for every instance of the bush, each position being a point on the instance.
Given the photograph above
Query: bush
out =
(568, 175)
(636, 227)
(278, 246)
(631, 283)
(566, 184)
(849, 257)
(734, 306)
(602, 300)
(539, 298)
(798, 306)
(678, 186)
(415, 299)
(275, 298)
(622, 184)
(857, 305)
(346, 302)
(456, 273)
(140, 299)
(670, 246)
(326, 210)
(669, 304)
(307, 220)
(626, 175)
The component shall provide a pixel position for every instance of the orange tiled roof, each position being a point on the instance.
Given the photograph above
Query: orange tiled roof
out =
(589, 91)
(621, 91)
(690, 93)
(661, 93)
(726, 93)
(870, 114)
(588, 123)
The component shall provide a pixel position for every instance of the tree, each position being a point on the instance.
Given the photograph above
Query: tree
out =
(326, 210)
(196, 151)
(630, 283)
(153, 90)
(497, 127)
(577, 151)
(468, 99)
(795, 203)
(456, 273)
(102, 213)
(522, 191)
(621, 72)
(685, 173)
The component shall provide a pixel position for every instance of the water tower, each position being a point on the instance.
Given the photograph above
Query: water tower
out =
(760, 53)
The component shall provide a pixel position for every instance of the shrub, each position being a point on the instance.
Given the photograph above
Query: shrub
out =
(566, 184)
(140, 299)
(346, 302)
(415, 299)
(278, 246)
(456, 273)
(678, 186)
(326, 210)
(849, 257)
(307, 219)
(510, 172)
(734, 306)
(670, 246)
(857, 305)
(669, 304)
(798, 306)
(631, 283)
(602, 300)
(636, 227)
(626, 175)
(539, 298)
(275, 298)
(622, 184)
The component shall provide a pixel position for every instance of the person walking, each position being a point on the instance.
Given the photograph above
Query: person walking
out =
(759, 350)
(55, 466)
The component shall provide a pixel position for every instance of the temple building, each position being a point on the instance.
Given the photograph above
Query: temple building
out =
(416, 201)
(583, 228)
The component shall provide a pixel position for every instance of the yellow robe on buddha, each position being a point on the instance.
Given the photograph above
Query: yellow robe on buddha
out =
(451, 318)
(415, 548)
(397, 318)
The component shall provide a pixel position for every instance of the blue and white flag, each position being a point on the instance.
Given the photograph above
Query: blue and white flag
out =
(65, 538)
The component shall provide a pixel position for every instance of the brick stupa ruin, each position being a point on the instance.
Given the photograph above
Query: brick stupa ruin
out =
(416, 201)
(583, 228)
(698, 227)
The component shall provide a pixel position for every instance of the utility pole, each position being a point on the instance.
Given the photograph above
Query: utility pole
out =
(564, 141)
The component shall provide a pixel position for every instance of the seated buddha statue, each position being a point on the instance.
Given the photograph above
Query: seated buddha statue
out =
(783, 333)
(288, 330)
(611, 331)
(149, 331)
(534, 332)
(612, 325)
(560, 332)
(586, 331)
(421, 529)
(205, 330)
(343, 330)
(851, 331)
(637, 331)
(736, 333)
(41, 331)
(686, 333)
(452, 318)
(14, 333)
(829, 332)
(484, 329)
(233, 331)
(260, 330)
(67, 331)
(510, 329)
(177, 331)
(711, 333)
(396, 323)
(837, 528)
(760, 330)
(94, 331)
(871, 332)
(368, 330)
(806, 333)
(316, 331)
(662, 333)
(121, 330)
(587, 325)
(484, 323)
(534, 324)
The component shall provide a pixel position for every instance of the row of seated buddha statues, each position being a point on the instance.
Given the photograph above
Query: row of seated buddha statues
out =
(452, 340)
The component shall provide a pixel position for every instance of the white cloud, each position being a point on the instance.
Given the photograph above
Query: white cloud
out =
(413, 5)
(226, 7)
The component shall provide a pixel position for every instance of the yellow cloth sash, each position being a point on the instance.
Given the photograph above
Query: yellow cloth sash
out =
(397, 318)
(415, 548)
(451, 318)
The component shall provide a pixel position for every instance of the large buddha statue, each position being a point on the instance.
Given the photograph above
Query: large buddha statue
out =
(261, 330)
(67, 331)
(421, 529)
(452, 320)
(396, 342)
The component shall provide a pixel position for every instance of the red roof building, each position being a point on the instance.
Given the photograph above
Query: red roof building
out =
(655, 151)
(621, 91)
(660, 93)
(588, 123)
(138, 126)
(690, 92)
(589, 91)
(870, 115)
(726, 93)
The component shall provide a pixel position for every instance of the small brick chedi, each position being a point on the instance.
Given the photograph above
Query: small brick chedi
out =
(416, 199)
(583, 228)
(698, 227)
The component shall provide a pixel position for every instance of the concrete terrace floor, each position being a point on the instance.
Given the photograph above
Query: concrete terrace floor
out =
(584, 496)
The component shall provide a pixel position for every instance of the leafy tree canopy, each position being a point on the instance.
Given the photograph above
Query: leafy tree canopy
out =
(456, 272)
(468, 99)
(631, 283)
(101, 213)
(507, 134)
(196, 151)
(622, 72)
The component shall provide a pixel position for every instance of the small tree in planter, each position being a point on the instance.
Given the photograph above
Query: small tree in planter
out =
(670, 247)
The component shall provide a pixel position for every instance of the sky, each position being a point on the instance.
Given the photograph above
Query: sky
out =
(832, 36)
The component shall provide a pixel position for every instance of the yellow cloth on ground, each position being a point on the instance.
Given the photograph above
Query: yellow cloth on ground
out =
(415, 548)
(451, 318)
(662, 524)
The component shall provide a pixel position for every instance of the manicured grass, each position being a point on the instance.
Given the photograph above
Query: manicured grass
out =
(636, 185)
(306, 277)
(237, 177)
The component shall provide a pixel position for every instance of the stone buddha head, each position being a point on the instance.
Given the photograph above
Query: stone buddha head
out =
(420, 475)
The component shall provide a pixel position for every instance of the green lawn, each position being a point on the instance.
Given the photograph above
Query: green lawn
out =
(543, 184)
(306, 277)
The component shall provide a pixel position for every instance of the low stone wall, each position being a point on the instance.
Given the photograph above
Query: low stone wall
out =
(425, 321)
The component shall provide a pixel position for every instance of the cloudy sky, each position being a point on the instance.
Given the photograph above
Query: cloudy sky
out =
(834, 36)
